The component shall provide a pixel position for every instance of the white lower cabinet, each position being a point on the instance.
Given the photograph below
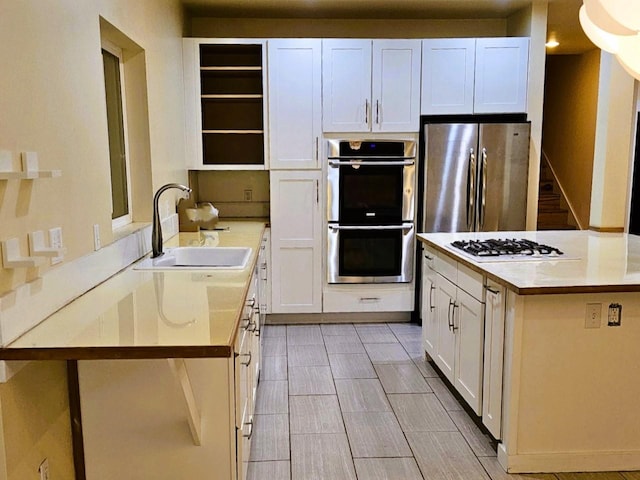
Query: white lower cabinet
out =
(453, 324)
(296, 241)
(368, 298)
(428, 305)
(493, 358)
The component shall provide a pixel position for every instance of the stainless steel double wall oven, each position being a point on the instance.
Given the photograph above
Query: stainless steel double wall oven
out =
(371, 211)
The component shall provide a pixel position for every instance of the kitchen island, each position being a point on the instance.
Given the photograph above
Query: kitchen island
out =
(163, 365)
(551, 362)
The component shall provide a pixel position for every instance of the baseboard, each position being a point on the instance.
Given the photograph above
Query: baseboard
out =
(569, 462)
(372, 317)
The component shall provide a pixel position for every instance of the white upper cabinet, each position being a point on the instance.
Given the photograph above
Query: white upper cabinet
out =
(447, 75)
(466, 76)
(396, 86)
(501, 75)
(225, 104)
(346, 85)
(371, 85)
(295, 105)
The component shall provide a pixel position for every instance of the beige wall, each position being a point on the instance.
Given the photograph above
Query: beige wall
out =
(340, 28)
(35, 422)
(571, 95)
(52, 102)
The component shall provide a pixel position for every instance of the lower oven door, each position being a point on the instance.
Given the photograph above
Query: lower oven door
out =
(370, 254)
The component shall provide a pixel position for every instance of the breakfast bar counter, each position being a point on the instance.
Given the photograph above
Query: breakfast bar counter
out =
(152, 313)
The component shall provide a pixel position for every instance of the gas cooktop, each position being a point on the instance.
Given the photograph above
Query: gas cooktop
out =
(507, 249)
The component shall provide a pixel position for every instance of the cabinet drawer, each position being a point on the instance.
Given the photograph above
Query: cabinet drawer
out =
(429, 257)
(378, 299)
(447, 267)
(470, 281)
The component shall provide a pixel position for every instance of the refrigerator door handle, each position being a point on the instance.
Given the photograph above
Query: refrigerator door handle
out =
(483, 192)
(471, 190)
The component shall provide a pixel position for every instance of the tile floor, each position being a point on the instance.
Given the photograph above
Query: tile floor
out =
(347, 402)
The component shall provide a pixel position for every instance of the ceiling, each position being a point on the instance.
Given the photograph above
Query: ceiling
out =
(562, 18)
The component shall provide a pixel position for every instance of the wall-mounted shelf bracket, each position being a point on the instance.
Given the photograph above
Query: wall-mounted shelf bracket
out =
(11, 257)
(37, 247)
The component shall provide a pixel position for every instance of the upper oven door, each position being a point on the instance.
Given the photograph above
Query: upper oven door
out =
(370, 189)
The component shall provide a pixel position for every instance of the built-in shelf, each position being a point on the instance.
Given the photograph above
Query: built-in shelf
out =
(231, 69)
(232, 104)
(235, 132)
(233, 96)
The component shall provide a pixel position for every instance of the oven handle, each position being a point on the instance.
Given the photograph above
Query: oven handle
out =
(390, 163)
(404, 226)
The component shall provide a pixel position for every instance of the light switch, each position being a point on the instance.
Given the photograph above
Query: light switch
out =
(593, 315)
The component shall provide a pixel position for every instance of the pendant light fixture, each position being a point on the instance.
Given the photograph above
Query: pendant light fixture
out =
(614, 26)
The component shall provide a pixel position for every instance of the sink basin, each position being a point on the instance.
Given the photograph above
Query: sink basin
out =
(187, 258)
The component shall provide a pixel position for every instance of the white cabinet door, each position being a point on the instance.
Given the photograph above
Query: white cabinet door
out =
(445, 300)
(469, 329)
(493, 359)
(296, 242)
(429, 312)
(264, 259)
(346, 85)
(294, 103)
(396, 86)
(448, 67)
(501, 75)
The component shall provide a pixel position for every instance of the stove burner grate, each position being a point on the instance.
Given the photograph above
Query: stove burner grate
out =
(496, 248)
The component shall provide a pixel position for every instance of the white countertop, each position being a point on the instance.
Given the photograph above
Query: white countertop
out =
(152, 314)
(594, 262)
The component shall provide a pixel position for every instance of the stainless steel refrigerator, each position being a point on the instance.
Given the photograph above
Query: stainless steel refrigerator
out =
(475, 176)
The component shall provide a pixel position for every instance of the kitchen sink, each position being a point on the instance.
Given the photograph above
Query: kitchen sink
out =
(186, 258)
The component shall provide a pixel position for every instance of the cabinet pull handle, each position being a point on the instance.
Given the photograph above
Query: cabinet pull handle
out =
(251, 302)
(492, 290)
(366, 112)
(377, 112)
(449, 314)
(453, 318)
(369, 299)
(431, 290)
(428, 257)
(248, 361)
(250, 424)
(318, 192)
(247, 324)
(317, 150)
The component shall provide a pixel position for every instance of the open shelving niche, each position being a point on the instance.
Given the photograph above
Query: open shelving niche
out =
(231, 79)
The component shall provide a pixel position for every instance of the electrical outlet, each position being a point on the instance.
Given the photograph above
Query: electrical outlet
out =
(593, 315)
(55, 241)
(43, 470)
(96, 237)
(615, 315)
(248, 195)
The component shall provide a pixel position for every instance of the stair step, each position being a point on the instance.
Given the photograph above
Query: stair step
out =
(559, 226)
(546, 198)
(551, 208)
(556, 217)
